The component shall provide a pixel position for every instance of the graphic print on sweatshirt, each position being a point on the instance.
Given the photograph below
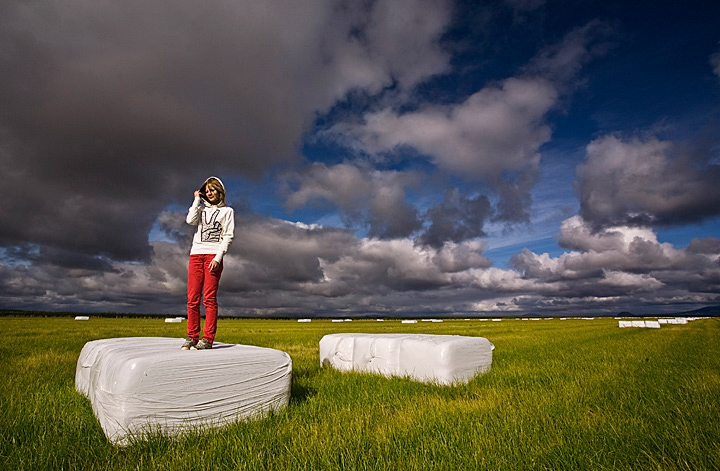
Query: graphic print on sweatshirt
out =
(211, 230)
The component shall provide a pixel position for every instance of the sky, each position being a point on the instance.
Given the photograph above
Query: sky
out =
(383, 157)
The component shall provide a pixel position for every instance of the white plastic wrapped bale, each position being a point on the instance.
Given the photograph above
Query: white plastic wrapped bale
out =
(442, 359)
(148, 383)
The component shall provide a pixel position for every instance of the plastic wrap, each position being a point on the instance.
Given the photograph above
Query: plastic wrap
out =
(149, 383)
(442, 359)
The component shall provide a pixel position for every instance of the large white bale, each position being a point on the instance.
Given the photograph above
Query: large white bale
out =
(442, 359)
(141, 383)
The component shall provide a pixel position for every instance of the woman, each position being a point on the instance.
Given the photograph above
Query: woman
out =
(215, 223)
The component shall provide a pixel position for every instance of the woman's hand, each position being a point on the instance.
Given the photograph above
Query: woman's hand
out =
(214, 266)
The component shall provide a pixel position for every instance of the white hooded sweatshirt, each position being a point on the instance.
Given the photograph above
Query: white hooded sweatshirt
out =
(215, 226)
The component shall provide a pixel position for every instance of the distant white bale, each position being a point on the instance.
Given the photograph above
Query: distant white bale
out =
(408, 321)
(303, 320)
(652, 324)
(82, 318)
(337, 320)
(444, 359)
(173, 319)
(140, 383)
(680, 320)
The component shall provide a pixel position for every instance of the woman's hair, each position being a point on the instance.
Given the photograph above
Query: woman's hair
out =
(217, 186)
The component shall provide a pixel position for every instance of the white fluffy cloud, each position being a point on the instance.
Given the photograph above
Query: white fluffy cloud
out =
(618, 260)
(497, 129)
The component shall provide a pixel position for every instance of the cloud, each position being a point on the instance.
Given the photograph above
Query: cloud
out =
(281, 268)
(621, 261)
(493, 136)
(112, 111)
(497, 129)
(372, 197)
(646, 181)
(457, 218)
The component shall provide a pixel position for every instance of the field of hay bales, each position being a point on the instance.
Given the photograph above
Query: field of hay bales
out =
(561, 394)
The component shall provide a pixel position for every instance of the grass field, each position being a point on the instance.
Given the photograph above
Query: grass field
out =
(573, 394)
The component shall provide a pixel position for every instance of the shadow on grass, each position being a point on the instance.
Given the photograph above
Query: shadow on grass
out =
(301, 388)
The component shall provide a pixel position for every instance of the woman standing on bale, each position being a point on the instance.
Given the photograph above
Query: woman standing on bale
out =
(215, 223)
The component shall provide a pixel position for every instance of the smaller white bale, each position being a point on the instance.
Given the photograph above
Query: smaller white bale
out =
(638, 323)
(652, 324)
(82, 318)
(442, 359)
(173, 320)
(137, 384)
(623, 324)
(303, 320)
(337, 320)
(408, 321)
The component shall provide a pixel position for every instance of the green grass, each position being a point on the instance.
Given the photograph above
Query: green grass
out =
(571, 394)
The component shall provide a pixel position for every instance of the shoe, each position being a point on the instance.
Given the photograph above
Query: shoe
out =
(202, 345)
(189, 344)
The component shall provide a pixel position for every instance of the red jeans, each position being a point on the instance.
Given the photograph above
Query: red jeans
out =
(202, 282)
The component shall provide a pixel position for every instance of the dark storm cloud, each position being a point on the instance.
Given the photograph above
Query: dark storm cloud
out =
(647, 182)
(113, 110)
(457, 218)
